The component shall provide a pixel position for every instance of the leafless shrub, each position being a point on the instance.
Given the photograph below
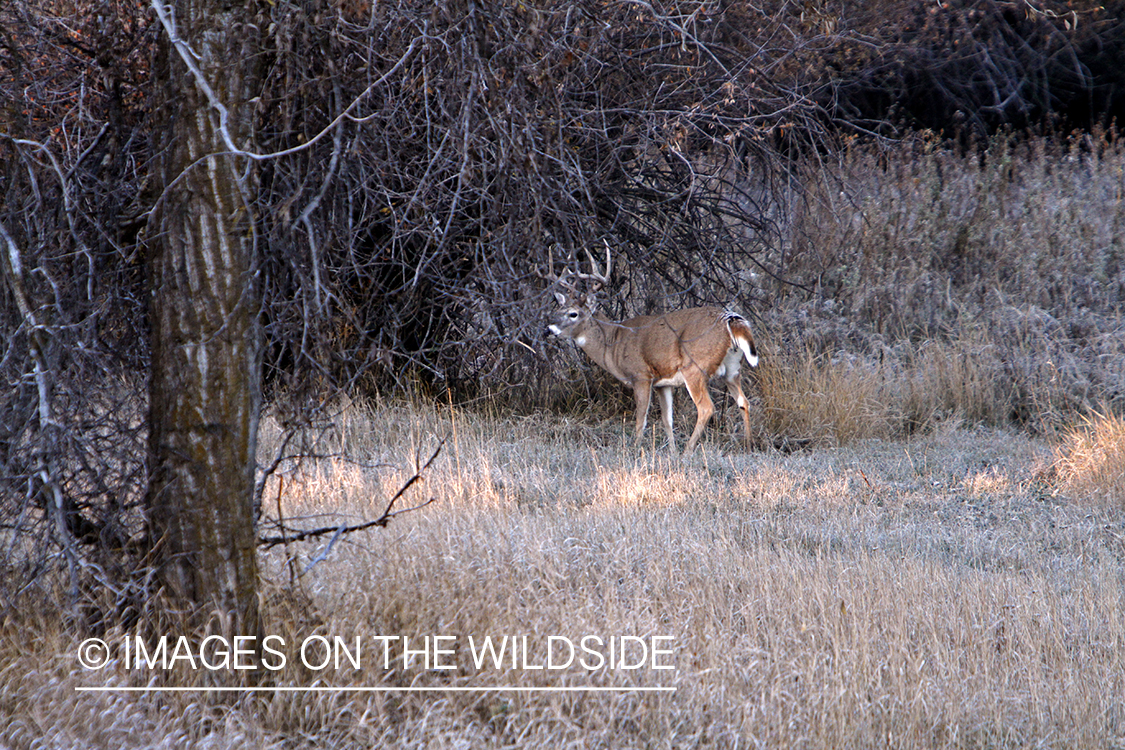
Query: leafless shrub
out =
(72, 150)
(420, 224)
(433, 154)
(970, 67)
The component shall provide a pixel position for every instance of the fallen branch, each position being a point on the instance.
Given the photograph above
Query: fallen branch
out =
(338, 530)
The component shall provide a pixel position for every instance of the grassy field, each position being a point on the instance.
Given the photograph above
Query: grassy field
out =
(961, 589)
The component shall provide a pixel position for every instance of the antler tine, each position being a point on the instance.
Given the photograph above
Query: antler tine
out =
(553, 277)
(548, 274)
(601, 278)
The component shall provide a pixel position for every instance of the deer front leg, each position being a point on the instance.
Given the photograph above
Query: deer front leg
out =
(642, 391)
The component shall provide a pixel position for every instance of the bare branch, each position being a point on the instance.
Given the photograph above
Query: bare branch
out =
(389, 513)
(165, 14)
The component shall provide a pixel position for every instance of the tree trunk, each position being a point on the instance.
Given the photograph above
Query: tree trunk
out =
(205, 393)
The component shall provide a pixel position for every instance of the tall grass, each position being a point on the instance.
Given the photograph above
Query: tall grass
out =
(931, 286)
(1090, 460)
(912, 238)
(970, 379)
(929, 593)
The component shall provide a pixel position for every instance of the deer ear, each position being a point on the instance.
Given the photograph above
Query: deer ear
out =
(561, 298)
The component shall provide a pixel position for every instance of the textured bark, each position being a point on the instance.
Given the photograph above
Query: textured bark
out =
(206, 340)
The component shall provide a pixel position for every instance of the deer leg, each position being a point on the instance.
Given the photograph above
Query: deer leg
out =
(666, 393)
(696, 383)
(642, 391)
(735, 390)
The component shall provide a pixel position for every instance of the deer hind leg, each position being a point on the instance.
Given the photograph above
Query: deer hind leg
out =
(734, 387)
(665, 393)
(729, 370)
(696, 382)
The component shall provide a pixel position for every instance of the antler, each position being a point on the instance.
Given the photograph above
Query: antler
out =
(550, 274)
(601, 278)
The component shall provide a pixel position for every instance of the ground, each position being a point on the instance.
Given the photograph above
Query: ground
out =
(947, 590)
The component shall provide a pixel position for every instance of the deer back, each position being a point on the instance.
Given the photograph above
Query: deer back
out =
(659, 346)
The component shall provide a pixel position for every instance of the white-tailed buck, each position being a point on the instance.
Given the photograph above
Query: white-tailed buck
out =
(686, 347)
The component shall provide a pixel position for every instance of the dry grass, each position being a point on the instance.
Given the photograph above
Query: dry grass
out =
(836, 400)
(1006, 263)
(1090, 461)
(929, 593)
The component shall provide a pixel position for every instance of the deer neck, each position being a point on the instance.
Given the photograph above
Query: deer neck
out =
(597, 340)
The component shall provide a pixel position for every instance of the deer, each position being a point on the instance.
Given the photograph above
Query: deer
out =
(681, 348)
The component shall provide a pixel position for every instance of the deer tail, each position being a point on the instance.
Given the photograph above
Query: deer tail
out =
(740, 336)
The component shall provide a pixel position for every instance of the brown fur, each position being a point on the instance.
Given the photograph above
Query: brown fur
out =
(685, 347)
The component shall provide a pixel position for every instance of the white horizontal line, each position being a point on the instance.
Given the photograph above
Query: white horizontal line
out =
(369, 689)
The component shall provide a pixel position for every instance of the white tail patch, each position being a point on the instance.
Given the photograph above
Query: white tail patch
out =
(751, 357)
(737, 338)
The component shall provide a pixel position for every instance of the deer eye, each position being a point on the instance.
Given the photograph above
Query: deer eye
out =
(573, 315)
